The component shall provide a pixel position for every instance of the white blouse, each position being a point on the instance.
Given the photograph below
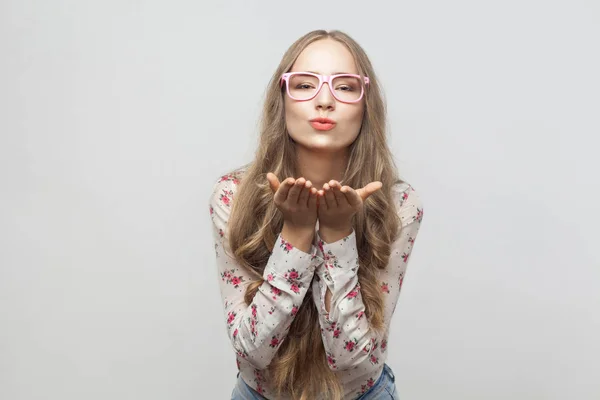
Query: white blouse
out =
(354, 351)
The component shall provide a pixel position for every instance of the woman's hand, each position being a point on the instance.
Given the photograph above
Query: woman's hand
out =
(297, 201)
(338, 204)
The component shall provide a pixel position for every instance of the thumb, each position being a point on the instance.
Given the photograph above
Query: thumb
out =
(273, 181)
(368, 190)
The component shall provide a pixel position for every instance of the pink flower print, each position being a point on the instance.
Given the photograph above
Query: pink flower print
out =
(366, 387)
(294, 311)
(260, 389)
(292, 275)
(372, 345)
(242, 354)
(253, 322)
(331, 360)
(354, 292)
(226, 197)
(229, 178)
(320, 245)
(400, 280)
(228, 277)
(349, 345)
(374, 360)
(253, 330)
(405, 256)
(235, 281)
(224, 178)
(258, 375)
(333, 262)
(235, 333)
(383, 344)
(274, 341)
(211, 209)
(230, 317)
(295, 288)
(286, 246)
(221, 233)
(385, 288)
(404, 196)
(276, 292)
(411, 240)
(270, 277)
(360, 314)
(419, 215)
(272, 310)
(336, 333)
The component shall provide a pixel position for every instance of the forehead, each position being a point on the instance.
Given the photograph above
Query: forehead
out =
(327, 57)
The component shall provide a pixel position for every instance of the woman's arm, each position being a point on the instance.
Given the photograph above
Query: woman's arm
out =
(257, 330)
(347, 335)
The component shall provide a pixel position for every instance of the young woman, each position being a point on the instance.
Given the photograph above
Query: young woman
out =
(311, 267)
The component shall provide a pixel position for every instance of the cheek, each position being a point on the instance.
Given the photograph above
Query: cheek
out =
(296, 113)
(354, 118)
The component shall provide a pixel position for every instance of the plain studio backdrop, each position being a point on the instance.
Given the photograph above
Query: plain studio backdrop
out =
(117, 118)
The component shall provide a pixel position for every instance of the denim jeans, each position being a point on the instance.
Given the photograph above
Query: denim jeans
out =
(384, 388)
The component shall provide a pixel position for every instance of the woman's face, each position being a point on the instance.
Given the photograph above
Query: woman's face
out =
(325, 57)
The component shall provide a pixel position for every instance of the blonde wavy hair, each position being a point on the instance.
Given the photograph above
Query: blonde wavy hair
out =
(299, 368)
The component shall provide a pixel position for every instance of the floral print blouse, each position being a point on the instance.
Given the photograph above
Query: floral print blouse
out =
(354, 351)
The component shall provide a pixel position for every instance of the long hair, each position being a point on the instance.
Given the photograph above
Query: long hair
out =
(299, 368)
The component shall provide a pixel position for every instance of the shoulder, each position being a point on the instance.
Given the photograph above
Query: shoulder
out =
(224, 189)
(409, 204)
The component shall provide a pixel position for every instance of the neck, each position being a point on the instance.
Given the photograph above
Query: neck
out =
(320, 168)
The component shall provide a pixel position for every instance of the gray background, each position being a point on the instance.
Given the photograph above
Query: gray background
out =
(116, 118)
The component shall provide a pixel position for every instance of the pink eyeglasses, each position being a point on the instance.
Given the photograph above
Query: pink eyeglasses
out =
(302, 86)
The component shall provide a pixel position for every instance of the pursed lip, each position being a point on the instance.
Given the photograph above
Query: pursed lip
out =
(323, 120)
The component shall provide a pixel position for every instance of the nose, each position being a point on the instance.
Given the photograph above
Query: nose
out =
(324, 99)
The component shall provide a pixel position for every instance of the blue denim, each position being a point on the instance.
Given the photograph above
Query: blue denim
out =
(383, 389)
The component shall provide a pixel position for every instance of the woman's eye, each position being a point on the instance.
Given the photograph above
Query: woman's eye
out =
(304, 86)
(345, 88)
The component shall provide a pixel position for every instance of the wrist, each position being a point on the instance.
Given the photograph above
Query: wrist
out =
(330, 234)
(336, 228)
(299, 237)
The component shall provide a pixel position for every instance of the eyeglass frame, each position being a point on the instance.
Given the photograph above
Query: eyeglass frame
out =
(322, 79)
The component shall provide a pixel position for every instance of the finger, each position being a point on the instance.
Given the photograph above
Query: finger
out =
(273, 181)
(303, 198)
(283, 191)
(329, 196)
(339, 196)
(295, 191)
(312, 199)
(369, 189)
(322, 201)
(352, 196)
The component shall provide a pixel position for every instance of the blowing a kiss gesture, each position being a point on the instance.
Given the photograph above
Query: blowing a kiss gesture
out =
(334, 205)
(337, 205)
